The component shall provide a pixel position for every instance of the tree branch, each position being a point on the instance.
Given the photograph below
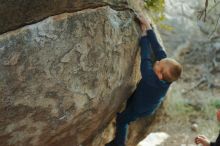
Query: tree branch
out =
(216, 24)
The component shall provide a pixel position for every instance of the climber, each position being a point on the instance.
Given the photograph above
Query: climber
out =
(153, 86)
(204, 140)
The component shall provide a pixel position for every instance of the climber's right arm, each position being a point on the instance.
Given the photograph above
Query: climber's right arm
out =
(155, 45)
(146, 62)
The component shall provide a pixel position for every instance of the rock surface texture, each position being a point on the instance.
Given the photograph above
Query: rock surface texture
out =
(21, 12)
(63, 79)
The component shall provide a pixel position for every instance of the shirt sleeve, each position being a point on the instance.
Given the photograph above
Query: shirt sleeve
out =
(217, 142)
(146, 63)
(156, 47)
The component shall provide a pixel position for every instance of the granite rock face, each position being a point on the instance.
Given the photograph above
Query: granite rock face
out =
(59, 76)
(63, 78)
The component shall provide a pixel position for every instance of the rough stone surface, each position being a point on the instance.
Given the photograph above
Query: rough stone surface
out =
(21, 12)
(59, 76)
(63, 79)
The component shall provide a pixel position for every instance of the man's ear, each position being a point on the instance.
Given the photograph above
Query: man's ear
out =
(160, 75)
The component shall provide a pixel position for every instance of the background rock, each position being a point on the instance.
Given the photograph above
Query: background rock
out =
(154, 139)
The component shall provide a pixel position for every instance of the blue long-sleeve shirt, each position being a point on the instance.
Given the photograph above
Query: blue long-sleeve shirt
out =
(151, 90)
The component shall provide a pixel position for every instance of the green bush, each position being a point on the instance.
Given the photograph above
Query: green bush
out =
(157, 8)
(216, 103)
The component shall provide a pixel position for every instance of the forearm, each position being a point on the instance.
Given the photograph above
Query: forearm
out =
(145, 47)
(153, 40)
(146, 64)
(147, 30)
(155, 45)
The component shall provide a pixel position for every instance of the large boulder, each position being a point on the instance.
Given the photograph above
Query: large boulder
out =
(63, 79)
